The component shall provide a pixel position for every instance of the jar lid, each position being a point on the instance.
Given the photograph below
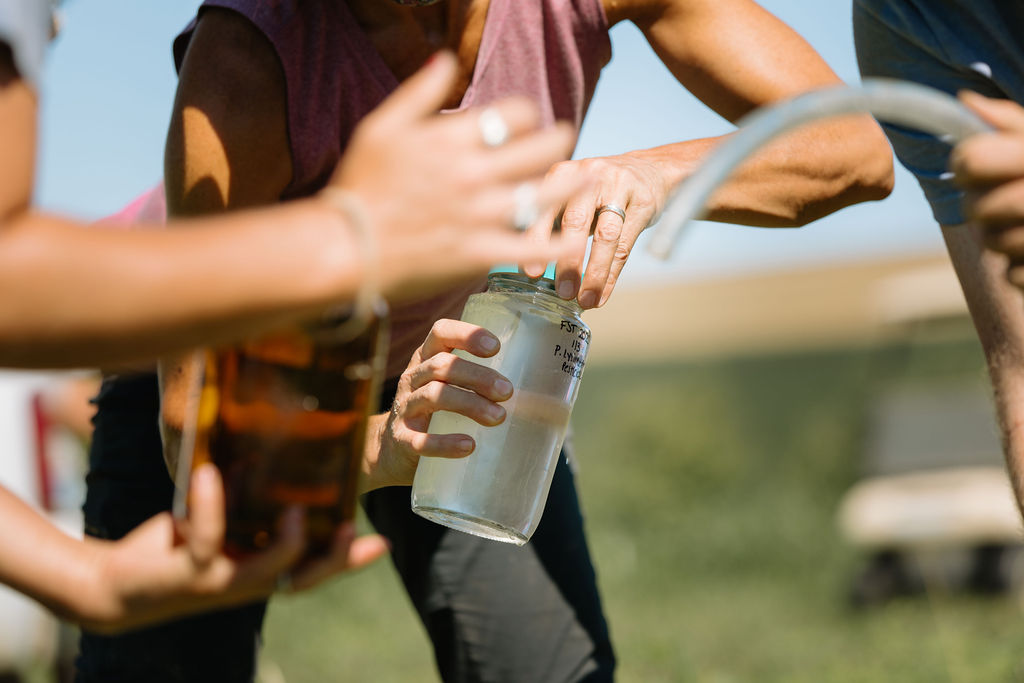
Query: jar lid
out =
(541, 283)
(536, 285)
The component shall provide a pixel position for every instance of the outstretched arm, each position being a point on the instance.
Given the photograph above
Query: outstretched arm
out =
(79, 297)
(163, 569)
(71, 296)
(735, 57)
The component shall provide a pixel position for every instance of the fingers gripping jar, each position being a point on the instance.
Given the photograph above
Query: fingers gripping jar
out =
(284, 419)
(500, 489)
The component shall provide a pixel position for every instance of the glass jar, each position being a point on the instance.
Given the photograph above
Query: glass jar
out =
(283, 418)
(500, 489)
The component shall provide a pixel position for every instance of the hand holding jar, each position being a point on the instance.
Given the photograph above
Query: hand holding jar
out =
(443, 375)
(500, 490)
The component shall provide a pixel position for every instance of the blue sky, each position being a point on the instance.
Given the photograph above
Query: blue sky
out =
(110, 83)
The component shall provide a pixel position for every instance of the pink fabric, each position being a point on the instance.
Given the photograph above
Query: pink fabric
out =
(551, 51)
(149, 208)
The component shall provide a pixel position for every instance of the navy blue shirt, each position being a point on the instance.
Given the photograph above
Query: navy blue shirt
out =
(950, 45)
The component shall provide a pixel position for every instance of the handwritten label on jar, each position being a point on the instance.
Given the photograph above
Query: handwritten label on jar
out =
(573, 351)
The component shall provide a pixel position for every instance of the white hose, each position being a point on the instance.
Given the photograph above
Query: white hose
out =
(893, 101)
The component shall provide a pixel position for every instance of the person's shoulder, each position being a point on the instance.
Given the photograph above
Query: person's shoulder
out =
(229, 44)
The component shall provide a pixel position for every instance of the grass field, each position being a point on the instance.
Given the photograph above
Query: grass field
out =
(710, 491)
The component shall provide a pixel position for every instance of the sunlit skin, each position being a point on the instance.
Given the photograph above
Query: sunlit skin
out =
(155, 291)
(800, 178)
(988, 256)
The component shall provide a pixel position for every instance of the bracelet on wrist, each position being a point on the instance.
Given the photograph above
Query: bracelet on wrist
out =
(354, 217)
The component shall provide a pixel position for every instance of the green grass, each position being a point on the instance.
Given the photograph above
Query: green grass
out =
(710, 492)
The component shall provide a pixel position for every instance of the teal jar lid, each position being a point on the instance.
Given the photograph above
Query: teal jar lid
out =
(513, 268)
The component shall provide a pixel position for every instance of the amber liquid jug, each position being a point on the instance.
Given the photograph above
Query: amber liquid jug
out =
(283, 418)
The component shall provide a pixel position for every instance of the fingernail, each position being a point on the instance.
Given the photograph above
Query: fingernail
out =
(488, 343)
(587, 300)
(464, 445)
(496, 413)
(565, 289)
(205, 474)
(503, 387)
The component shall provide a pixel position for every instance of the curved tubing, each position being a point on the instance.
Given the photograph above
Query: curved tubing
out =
(893, 101)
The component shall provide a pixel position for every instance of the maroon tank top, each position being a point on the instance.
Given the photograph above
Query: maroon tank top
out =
(551, 51)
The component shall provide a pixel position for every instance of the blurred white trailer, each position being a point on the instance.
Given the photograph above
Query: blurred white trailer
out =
(934, 507)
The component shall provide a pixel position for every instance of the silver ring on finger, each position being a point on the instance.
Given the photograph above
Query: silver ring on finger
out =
(283, 584)
(493, 130)
(614, 208)
(526, 211)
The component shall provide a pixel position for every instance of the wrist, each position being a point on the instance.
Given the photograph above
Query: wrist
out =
(360, 240)
(95, 602)
(674, 163)
(372, 454)
(335, 266)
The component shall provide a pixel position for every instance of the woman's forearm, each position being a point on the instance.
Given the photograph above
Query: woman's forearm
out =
(793, 180)
(796, 179)
(138, 294)
(44, 563)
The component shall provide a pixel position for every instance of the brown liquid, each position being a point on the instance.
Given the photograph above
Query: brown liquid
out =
(284, 419)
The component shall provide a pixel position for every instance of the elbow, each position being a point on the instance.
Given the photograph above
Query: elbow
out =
(863, 174)
(874, 177)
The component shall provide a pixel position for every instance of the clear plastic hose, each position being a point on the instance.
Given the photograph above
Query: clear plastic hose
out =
(892, 101)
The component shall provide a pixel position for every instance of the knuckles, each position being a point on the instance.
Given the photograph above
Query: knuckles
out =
(439, 329)
(644, 202)
(432, 392)
(599, 166)
(623, 250)
(608, 231)
(562, 169)
(440, 366)
(577, 218)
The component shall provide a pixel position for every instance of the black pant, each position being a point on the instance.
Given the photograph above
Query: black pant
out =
(127, 484)
(494, 612)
